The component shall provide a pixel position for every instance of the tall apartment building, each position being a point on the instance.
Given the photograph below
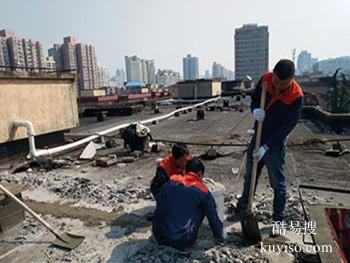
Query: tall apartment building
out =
(251, 51)
(138, 69)
(230, 75)
(167, 77)
(150, 71)
(305, 62)
(20, 52)
(4, 53)
(33, 54)
(79, 57)
(104, 76)
(50, 63)
(133, 67)
(207, 74)
(55, 53)
(120, 77)
(219, 71)
(190, 67)
(23, 53)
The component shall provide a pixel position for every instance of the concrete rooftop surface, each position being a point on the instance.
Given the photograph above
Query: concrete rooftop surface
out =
(109, 205)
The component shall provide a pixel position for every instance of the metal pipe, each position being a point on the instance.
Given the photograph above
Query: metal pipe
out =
(73, 145)
(30, 133)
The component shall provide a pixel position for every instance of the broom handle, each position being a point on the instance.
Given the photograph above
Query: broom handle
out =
(257, 145)
(30, 211)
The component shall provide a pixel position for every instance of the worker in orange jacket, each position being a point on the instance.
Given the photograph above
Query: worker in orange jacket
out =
(174, 163)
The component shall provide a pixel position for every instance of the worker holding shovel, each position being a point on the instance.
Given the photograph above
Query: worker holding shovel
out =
(277, 118)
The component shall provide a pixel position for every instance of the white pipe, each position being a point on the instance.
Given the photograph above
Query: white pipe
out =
(30, 133)
(55, 150)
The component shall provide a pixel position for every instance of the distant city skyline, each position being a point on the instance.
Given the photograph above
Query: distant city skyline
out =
(122, 27)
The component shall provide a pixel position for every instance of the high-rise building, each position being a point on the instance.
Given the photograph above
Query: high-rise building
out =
(251, 51)
(230, 75)
(190, 67)
(16, 53)
(150, 71)
(134, 71)
(305, 62)
(207, 74)
(167, 77)
(219, 71)
(138, 69)
(50, 63)
(104, 76)
(23, 53)
(33, 54)
(77, 57)
(4, 54)
(120, 77)
(6, 33)
(56, 53)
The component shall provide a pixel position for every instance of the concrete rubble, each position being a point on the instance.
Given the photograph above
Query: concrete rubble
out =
(82, 190)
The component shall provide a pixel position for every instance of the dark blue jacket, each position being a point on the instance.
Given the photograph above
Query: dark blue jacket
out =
(282, 110)
(181, 206)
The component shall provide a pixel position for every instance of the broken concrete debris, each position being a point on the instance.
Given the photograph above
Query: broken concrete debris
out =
(236, 255)
(113, 159)
(263, 207)
(89, 152)
(107, 161)
(128, 159)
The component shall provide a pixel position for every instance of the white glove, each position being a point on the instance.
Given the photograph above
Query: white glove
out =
(261, 152)
(259, 114)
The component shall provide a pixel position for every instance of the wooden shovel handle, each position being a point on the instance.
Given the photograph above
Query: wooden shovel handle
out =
(30, 211)
(257, 145)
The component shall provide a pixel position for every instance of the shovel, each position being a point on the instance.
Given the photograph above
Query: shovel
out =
(250, 226)
(65, 240)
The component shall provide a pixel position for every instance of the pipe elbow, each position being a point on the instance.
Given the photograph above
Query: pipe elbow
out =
(26, 124)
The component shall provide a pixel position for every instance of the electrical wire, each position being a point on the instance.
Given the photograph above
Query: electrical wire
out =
(305, 143)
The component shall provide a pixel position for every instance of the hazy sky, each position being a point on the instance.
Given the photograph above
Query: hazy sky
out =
(167, 30)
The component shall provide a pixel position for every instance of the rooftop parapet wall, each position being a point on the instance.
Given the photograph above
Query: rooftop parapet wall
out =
(48, 100)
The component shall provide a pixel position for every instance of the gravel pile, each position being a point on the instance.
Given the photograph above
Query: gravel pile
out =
(106, 195)
(77, 189)
(213, 255)
(293, 209)
(263, 206)
(234, 255)
(34, 180)
(79, 254)
(30, 227)
(157, 255)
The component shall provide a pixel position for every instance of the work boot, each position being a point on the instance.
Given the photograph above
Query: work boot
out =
(187, 251)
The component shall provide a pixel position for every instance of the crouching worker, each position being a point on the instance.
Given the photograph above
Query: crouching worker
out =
(174, 163)
(182, 204)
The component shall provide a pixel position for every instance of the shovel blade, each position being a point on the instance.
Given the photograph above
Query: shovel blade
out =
(68, 241)
(250, 228)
